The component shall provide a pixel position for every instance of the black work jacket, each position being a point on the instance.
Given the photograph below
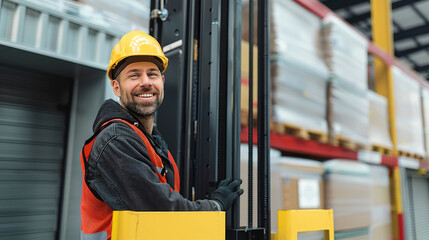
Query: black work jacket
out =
(121, 173)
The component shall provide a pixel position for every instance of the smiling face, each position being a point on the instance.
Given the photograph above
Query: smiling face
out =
(140, 87)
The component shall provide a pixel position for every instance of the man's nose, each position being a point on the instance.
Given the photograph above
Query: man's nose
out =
(145, 81)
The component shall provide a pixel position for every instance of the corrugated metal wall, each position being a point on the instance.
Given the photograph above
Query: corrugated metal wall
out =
(33, 120)
(416, 204)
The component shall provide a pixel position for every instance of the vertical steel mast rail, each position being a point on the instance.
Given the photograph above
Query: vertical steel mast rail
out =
(263, 117)
(250, 118)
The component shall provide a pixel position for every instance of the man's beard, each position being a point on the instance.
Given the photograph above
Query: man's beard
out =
(142, 109)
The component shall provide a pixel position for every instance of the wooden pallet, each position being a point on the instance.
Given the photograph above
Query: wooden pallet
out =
(410, 155)
(299, 132)
(382, 149)
(347, 143)
(344, 142)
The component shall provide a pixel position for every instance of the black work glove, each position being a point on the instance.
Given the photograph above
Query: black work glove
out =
(227, 191)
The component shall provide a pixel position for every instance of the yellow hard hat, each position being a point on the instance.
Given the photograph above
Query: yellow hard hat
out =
(135, 46)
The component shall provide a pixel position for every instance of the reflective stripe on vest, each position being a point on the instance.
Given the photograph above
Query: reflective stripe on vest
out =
(96, 215)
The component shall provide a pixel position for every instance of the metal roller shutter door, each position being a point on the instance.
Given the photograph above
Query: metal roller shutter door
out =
(33, 118)
(416, 206)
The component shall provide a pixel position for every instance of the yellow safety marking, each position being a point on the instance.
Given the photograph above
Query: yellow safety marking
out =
(168, 225)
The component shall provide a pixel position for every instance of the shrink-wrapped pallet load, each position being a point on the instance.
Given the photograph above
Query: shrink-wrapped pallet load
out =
(348, 193)
(299, 97)
(380, 228)
(348, 114)
(296, 35)
(345, 51)
(378, 132)
(298, 73)
(408, 114)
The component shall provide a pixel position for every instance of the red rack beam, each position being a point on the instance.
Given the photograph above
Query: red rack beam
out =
(292, 144)
(391, 161)
(289, 143)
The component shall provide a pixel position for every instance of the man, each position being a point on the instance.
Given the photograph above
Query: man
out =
(126, 163)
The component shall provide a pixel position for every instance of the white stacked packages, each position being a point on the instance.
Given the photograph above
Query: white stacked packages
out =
(425, 102)
(379, 133)
(299, 96)
(348, 193)
(299, 75)
(350, 112)
(408, 115)
(296, 35)
(380, 228)
(346, 51)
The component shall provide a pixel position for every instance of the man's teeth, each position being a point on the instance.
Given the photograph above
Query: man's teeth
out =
(146, 95)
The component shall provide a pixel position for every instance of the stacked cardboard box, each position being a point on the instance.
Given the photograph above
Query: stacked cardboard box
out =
(298, 73)
(380, 228)
(348, 112)
(408, 114)
(378, 133)
(348, 193)
(296, 183)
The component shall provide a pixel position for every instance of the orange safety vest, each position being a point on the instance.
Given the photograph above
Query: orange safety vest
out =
(97, 215)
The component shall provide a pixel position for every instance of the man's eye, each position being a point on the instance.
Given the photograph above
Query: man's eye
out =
(133, 76)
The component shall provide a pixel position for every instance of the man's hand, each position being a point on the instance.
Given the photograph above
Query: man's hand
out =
(227, 191)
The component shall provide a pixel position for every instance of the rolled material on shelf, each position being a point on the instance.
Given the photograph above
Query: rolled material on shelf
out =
(378, 121)
(408, 114)
(299, 95)
(349, 112)
(347, 191)
(346, 51)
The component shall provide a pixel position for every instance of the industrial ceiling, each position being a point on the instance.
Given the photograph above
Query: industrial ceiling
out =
(410, 24)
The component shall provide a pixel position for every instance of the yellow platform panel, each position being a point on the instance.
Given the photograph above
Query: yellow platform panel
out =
(129, 225)
(290, 222)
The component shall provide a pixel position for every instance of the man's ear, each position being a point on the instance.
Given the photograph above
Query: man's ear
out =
(116, 88)
(163, 78)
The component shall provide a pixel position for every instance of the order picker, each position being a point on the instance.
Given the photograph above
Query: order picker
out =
(202, 40)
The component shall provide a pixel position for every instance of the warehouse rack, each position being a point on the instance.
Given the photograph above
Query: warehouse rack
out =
(381, 50)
